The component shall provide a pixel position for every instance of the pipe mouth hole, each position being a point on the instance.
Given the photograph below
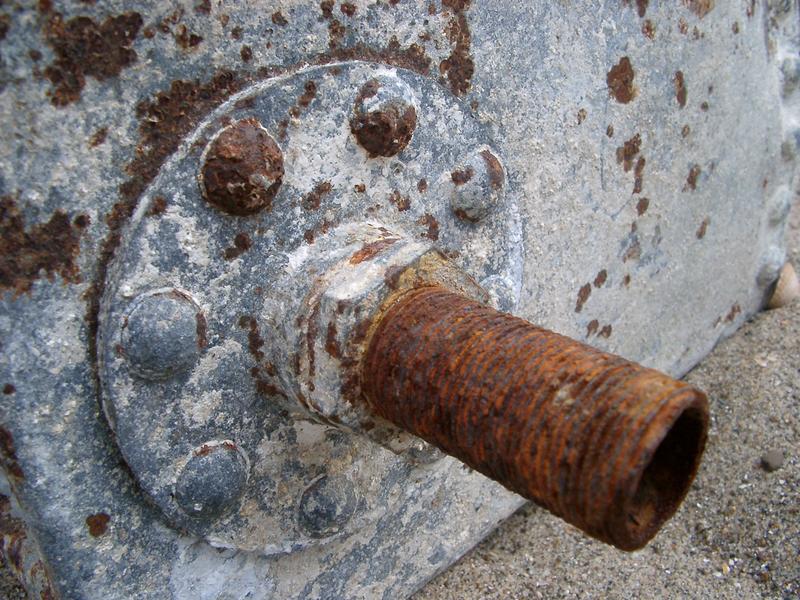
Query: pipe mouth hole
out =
(667, 477)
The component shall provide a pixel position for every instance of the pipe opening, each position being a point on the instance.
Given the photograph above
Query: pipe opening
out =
(666, 479)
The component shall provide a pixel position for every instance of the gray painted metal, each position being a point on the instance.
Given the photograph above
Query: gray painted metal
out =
(653, 249)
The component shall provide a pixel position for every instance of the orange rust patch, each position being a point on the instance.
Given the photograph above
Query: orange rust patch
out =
(459, 66)
(402, 203)
(642, 205)
(620, 81)
(371, 250)
(601, 278)
(432, 226)
(628, 151)
(699, 7)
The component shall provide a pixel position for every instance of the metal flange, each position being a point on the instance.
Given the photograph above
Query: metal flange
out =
(230, 240)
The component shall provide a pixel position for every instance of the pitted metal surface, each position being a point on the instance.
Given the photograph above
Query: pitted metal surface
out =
(651, 216)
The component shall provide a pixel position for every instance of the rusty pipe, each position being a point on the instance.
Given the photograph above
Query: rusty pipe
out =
(607, 445)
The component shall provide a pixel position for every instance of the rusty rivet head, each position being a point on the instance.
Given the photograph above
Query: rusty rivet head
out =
(327, 505)
(162, 334)
(477, 186)
(242, 169)
(384, 116)
(212, 481)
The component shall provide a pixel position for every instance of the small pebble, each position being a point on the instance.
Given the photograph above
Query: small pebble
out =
(772, 461)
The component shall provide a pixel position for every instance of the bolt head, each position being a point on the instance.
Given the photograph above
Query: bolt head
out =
(213, 481)
(384, 117)
(242, 169)
(327, 505)
(477, 186)
(163, 334)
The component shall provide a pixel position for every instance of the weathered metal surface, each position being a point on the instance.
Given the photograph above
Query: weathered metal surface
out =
(607, 445)
(651, 209)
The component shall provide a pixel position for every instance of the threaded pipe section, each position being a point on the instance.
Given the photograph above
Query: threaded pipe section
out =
(606, 444)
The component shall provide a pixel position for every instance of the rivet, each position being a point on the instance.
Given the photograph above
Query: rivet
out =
(477, 186)
(162, 334)
(242, 169)
(327, 505)
(384, 116)
(212, 481)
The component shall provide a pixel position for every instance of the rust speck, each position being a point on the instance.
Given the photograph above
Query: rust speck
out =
(583, 296)
(360, 188)
(331, 343)
(601, 278)
(685, 131)
(326, 7)
(201, 328)
(8, 454)
(97, 524)
(422, 185)
(432, 226)
(46, 249)
(691, 178)
(701, 231)
(638, 173)
(186, 39)
(371, 250)
(649, 29)
(592, 327)
(704, 106)
(494, 169)
(279, 19)
(243, 169)
(610, 131)
(605, 331)
(460, 177)
(680, 88)
(402, 203)
(699, 7)
(158, 207)
(620, 81)
(626, 281)
(98, 137)
(84, 48)
(642, 205)
(628, 151)
(9, 389)
(348, 9)
(313, 199)
(246, 53)
(581, 115)
(241, 244)
(733, 312)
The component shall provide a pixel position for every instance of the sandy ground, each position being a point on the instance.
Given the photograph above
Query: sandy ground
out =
(737, 534)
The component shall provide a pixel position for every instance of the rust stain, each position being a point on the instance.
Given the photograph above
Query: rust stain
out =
(8, 454)
(620, 81)
(494, 169)
(701, 231)
(539, 412)
(685, 131)
(583, 296)
(331, 343)
(649, 29)
(460, 177)
(84, 48)
(158, 207)
(279, 19)
(201, 328)
(348, 9)
(691, 178)
(610, 131)
(186, 39)
(360, 188)
(582, 114)
(239, 159)
(733, 312)
(241, 244)
(432, 226)
(680, 88)
(9, 389)
(313, 199)
(402, 203)
(628, 151)
(606, 331)
(638, 173)
(371, 250)
(592, 327)
(97, 524)
(422, 185)
(601, 279)
(246, 53)
(98, 137)
(642, 206)
(43, 250)
(699, 7)
(459, 66)
(263, 373)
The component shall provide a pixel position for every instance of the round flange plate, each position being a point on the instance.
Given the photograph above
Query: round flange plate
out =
(192, 307)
